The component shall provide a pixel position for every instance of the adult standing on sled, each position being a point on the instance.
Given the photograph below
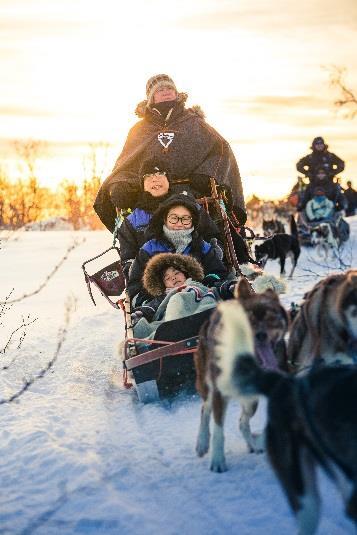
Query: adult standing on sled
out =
(319, 158)
(179, 136)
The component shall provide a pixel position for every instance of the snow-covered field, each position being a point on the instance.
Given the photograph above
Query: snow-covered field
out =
(80, 454)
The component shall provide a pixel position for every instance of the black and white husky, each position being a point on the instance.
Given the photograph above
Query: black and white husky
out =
(324, 239)
(312, 421)
(279, 247)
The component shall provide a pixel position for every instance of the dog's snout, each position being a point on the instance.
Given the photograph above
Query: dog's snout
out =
(261, 336)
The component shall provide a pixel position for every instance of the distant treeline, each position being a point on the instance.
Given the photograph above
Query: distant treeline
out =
(26, 201)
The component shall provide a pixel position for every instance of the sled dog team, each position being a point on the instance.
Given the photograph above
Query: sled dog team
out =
(312, 416)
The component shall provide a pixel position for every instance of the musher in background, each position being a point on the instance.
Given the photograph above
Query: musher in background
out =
(332, 190)
(351, 197)
(181, 138)
(320, 157)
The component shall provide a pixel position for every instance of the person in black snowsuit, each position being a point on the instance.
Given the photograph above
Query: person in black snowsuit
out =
(188, 145)
(174, 228)
(333, 191)
(320, 157)
(351, 197)
(155, 189)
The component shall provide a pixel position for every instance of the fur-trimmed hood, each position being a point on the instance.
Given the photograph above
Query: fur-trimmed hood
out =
(181, 98)
(157, 265)
(180, 199)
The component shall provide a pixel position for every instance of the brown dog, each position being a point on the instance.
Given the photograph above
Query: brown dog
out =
(251, 324)
(326, 324)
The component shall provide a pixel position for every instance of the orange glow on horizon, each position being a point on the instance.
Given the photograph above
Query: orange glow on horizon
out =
(72, 74)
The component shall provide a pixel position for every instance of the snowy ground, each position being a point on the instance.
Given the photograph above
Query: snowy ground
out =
(79, 453)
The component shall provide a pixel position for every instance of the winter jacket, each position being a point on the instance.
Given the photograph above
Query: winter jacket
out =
(131, 233)
(309, 164)
(153, 283)
(190, 147)
(198, 248)
(333, 192)
(351, 197)
(319, 208)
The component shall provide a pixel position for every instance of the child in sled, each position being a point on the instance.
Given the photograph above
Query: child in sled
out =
(175, 282)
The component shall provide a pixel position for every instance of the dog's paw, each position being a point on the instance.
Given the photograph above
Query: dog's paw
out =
(258, 443)
(202, 445)
(218, 465)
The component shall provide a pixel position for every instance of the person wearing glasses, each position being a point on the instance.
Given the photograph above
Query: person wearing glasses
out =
(179, 136)
(174, 228)
(319, 158)
(155, 186)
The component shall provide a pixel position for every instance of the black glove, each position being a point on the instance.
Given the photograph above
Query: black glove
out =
(211, 280)
(123, 195)
(216, 248)
(226, 290)
(201, 183)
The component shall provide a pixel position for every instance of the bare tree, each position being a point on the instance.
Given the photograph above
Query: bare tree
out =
(96, 161)
(348, 97)
(29, 151)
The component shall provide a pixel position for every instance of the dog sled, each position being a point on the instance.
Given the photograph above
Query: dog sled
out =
(330, 232)
(162, 365)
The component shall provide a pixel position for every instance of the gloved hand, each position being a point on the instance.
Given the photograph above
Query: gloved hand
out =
(211, 280)
(123, 195)
(201, 183)
(136, 316)
(216, 248)
(226, 290)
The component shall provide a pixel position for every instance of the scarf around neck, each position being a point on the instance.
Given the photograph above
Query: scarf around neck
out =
(180, 239)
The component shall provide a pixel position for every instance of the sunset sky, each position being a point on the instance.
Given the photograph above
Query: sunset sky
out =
(73, 71)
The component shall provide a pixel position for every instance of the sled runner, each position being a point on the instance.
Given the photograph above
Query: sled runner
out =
(163, 364)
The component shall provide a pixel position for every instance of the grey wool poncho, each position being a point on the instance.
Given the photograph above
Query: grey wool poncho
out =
(185, 142)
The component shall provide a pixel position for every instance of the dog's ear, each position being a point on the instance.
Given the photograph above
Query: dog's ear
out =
(243, 289)
(272, 294)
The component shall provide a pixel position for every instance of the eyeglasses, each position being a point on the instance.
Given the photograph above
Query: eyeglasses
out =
(154, 174)
(185, 219)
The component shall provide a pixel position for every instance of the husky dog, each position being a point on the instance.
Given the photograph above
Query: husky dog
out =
(273, 226)
(326, 324)
(279, 247)
(324, 239)
(251, 324)
(312, 420)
